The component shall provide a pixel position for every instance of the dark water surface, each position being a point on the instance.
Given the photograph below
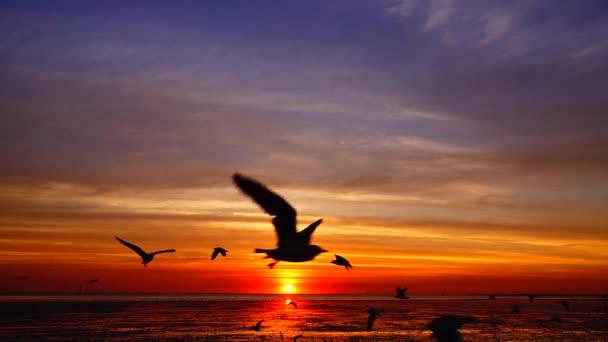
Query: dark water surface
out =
(317, 318)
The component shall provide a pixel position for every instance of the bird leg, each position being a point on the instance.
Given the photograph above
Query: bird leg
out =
(271, 265)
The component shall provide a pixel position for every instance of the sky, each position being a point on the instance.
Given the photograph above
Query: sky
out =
(454, 147)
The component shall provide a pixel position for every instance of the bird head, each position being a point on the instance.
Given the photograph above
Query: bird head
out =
(317, 250)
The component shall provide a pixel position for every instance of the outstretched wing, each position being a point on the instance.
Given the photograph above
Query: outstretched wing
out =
(214, 254)
(136, 249)
(284, 214)
(163, 251)
(370, 320)
(305, 235)
(341, 260)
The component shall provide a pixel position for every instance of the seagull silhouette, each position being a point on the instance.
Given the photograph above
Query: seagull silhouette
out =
(292, 246)
(295, 305)
(298, 336)
(400, 293)
(445, 328)
(146, 257)
(258, 325)
(340, 261)
(218, 250)
(93, 281)
(372, 314)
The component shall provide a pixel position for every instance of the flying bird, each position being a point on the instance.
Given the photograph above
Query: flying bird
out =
(93, 281)
(445, 328)
(22, 277)
(218, 250)
(298, 336)
(372, 314)
(340, 261)
(258, 325)
(400, 293)
(295, 305)
(146, 257)
(293, 246)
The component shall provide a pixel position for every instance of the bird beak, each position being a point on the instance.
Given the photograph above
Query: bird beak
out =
(324, 250)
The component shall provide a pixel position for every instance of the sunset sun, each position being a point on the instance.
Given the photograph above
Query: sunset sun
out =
(288, 288)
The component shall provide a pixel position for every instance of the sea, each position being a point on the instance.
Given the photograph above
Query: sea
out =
(231, 317)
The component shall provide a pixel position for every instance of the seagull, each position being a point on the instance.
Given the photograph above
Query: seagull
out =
(295, 338)
(400, 293)
(22, 277)
(565, 304)
(93, 281)
(340, 261)
(218, 250)
(292, 246)
(445, 328)
(372, 317)
(295, 305)
(146, 257)
(258, 325)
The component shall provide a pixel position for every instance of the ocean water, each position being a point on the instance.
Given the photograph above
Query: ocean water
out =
(317, 318)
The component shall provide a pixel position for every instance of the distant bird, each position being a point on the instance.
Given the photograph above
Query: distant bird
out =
(492, 297)
(258, 325)
(372, 314)
(93, 281)
(146, 257)
(22, 277)
(400, 293)
(292, 246)
(295, 305)
(218, 250)
(340, 261)
(515, 309)
(565, 304)
(295, 338)
(445, 328)
(531, 298)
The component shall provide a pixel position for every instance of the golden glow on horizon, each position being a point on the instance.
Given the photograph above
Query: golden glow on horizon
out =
(288, 288)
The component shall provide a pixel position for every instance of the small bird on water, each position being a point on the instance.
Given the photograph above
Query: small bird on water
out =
(340, 261)
(293, 246)
(258, 325)
(400, 293)
(295, 305)
(218, 250)
(145, 257)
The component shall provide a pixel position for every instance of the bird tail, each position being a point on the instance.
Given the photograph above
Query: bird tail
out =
(261, 250)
